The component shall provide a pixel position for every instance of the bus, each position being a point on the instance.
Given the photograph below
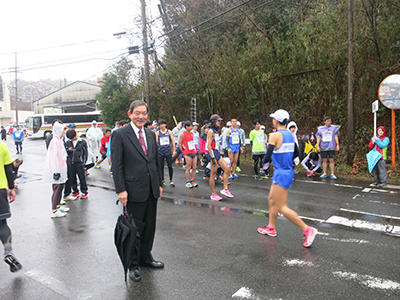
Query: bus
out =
(40, 125)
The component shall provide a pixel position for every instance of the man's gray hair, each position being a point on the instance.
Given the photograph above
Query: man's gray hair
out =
(137, 103)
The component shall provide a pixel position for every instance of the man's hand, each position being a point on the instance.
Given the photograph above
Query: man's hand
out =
(71, 149)
(11, 195)
(161, 189)
(337, 147)
(318, 149)
(123, 197)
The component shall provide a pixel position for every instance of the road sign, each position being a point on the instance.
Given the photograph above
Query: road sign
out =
(375, 106)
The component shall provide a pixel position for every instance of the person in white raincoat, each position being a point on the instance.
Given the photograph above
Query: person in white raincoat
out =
(292, 126)
(56, 169)
(94, 135)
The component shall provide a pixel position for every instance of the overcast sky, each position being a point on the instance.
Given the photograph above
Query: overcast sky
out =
(45, 33)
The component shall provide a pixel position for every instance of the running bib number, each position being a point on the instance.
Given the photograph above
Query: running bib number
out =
(164, 140)
(216, 138)
(260, 138)
(235, 139)
(327, 137)
(191, 145)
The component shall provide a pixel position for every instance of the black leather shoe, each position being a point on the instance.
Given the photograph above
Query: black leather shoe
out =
(135, 275)
(154, 264)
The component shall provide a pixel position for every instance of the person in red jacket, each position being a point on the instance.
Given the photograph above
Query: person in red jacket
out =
(379, 142)
(104, 142)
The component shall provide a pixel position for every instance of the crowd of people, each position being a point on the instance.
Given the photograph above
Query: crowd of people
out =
(143, 147)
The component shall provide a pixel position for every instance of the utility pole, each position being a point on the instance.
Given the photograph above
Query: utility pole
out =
(146, 56)
(350, 77)
(16, 90)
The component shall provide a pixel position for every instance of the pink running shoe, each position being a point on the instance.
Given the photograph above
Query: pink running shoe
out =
(310, 236)
(308, 174)
(216, 197)
(266, 230)
(226, 193)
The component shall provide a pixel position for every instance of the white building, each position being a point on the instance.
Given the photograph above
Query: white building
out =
(78, 96)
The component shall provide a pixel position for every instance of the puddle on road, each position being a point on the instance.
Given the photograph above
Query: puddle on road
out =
(214, 208)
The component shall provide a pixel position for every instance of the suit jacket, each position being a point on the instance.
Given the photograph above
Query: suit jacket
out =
(132, 170)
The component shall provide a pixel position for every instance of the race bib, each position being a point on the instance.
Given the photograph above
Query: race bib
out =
(216, 138)
(327, 137)
(164, 140)
(191, 145)
(235, 139)
(260, 138)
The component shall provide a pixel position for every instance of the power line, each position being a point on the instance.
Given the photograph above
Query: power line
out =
(63, 64)
(209, 20)
(52, 47)
(65, 59)
(254, 8)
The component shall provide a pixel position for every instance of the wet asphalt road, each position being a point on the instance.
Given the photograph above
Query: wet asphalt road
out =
(211, 250)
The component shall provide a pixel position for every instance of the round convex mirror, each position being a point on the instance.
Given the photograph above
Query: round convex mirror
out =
(389, 91)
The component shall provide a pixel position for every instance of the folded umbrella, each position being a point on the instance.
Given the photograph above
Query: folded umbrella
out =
(373, 157)
(126, 238)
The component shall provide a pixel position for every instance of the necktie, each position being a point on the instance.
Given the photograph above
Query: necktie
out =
(142, 143)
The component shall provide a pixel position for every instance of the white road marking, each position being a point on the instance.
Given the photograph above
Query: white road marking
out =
(348, 240)
(346, 185)
(369, 281)
(356, 196)
(317, 182)
(371, 214)
(389, 229)
(244, 293)
(54, 284)
(298, 262)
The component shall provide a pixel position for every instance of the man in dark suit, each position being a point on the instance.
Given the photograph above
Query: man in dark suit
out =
(137, 177)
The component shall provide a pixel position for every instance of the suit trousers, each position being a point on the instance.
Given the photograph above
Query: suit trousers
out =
(145, 212)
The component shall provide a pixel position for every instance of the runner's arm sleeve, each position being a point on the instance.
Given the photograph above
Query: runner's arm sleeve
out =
(227, 141)
(268, 157)
(9, 175)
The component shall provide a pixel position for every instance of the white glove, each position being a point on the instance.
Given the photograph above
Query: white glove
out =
(296, 161)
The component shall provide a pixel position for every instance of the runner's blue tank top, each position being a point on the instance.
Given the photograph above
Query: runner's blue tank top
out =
(234, 140)
(282, 159)
(164, 143)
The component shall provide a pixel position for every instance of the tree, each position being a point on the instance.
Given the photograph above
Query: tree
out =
(116, 93)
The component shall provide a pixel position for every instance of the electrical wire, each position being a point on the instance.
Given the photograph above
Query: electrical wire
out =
(62, 64)
(209, 20)
(53, 47)
(249, 10)
(64, 59)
